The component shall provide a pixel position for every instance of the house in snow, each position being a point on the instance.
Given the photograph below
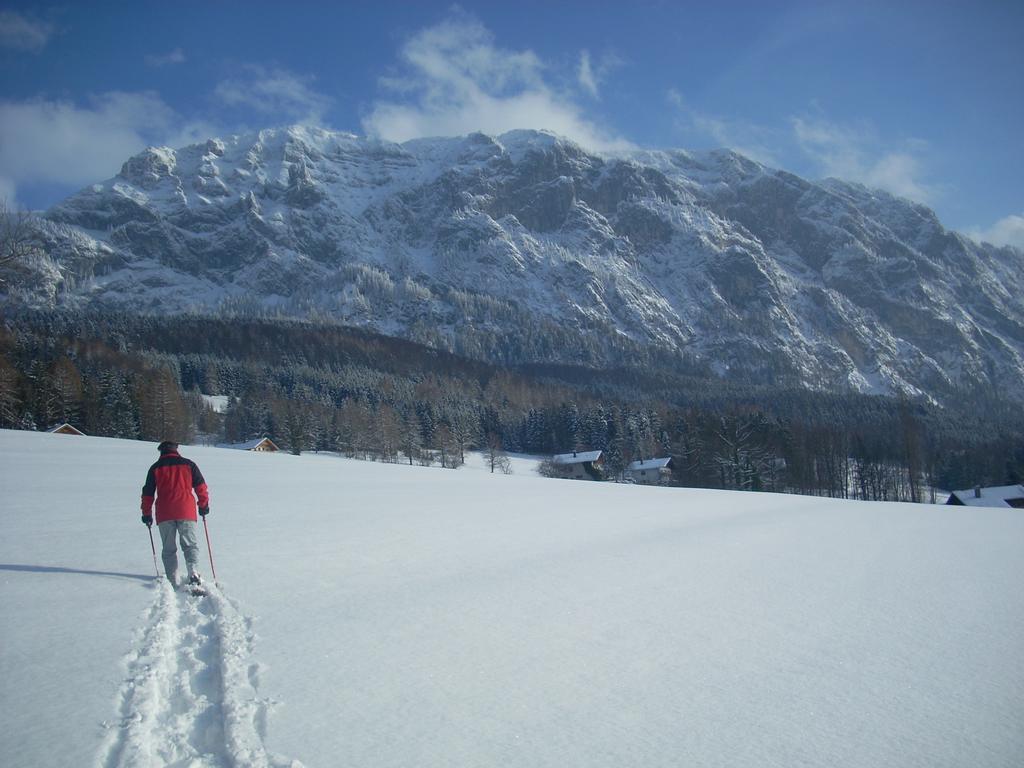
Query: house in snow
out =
(650, 471)
(579, 465)
(999, 496)
(65, 429)
(260, 444)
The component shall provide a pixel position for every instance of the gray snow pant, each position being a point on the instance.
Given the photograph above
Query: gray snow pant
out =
(186, 530)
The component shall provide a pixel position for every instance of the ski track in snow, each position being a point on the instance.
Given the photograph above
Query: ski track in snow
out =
(190, 696)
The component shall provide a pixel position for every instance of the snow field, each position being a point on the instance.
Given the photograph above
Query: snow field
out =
(382, 615)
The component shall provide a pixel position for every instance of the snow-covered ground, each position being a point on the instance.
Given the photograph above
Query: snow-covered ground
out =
(387, 615)
(216, 403)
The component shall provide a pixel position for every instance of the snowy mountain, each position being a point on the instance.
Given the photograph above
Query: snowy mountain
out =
(386, 615)
(505, 247)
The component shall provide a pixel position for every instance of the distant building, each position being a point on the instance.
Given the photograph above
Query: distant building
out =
(65, 429)
(260, 444)
(579, 465)
(1000, 496)
(650, 471)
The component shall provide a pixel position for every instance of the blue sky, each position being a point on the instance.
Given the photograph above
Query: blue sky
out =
(923, 99)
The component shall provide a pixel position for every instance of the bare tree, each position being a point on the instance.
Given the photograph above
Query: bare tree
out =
(412, 438)
(465, 429)
(497, 459)
(17, 237)
(388, 433)
(913, 455)
(355, 427)
(63, 393)
(446, 445)
(739, 456)
(163, 413)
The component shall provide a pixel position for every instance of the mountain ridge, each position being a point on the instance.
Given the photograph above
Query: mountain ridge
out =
(507, 247)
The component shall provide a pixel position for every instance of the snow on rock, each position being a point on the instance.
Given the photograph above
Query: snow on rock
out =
(388, 615)
(748, 268)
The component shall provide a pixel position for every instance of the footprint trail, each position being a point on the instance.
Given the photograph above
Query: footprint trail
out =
(190, 697)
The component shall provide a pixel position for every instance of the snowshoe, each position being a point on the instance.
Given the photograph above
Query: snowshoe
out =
(195, 586)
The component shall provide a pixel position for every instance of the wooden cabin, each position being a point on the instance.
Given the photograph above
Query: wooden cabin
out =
(579, 465)
(997, 496)
(65, 429)
(650, 471)
(260, 444)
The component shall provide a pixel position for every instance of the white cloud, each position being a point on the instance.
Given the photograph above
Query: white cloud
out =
(1006, 231)
(817, 146)
(852, 153)
(747, 138)
(22, 33)
(585, 74)
(457, 81)
(65, 143)
(591, 75)
(8, 192)
(177, 56)
(286, 96)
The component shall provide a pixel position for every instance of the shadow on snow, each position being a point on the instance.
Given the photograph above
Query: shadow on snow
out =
(80, 571)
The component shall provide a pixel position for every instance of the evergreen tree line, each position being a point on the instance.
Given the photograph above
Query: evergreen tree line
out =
(312, 388)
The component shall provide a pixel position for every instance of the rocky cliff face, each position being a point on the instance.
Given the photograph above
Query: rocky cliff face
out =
(525, 237)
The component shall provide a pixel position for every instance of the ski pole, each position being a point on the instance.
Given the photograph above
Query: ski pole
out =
(209, 549)
(153, 547)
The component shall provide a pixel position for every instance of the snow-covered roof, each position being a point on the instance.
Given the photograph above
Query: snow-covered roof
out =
(998, 496)
(637, 466)
(65, 429)
(248, 445)
(579, 457)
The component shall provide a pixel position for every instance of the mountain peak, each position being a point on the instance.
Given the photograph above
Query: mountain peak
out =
(149, 167)
(495, 246)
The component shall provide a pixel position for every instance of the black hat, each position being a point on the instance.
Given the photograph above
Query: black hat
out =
(167, 446)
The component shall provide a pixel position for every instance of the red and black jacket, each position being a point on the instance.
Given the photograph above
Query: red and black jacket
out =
(172, 481)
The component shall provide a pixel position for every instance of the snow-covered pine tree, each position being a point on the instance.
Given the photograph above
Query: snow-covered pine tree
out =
(10, 395)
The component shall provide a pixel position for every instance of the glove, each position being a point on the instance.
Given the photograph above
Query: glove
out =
(204, 511)
(148, 520)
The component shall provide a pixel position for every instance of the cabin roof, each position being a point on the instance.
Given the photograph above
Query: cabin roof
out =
(637, 466)
(996, 496)
(579, 457)
(66, 428)
(248, 445)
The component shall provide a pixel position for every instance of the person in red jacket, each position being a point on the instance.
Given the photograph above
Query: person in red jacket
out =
(177, 485)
